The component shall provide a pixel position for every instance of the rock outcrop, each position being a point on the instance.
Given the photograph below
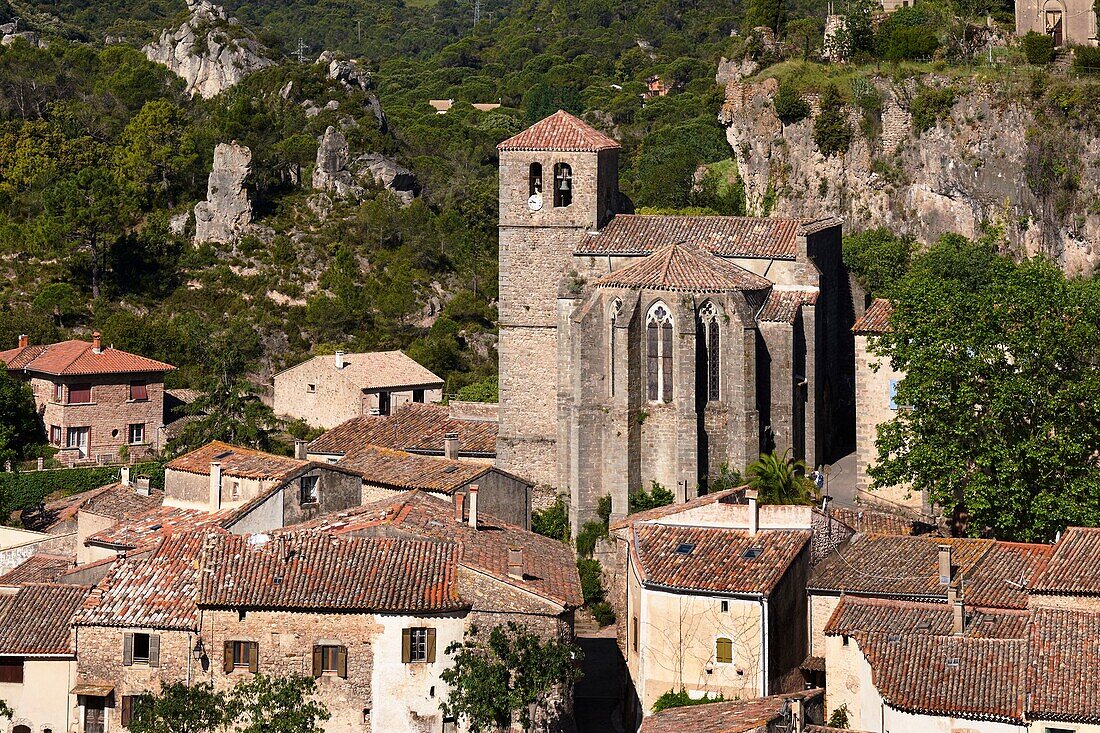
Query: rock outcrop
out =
(337, 172)
(227, 212)
(354, 78)
(211, 51)
(11, 31)
(974, 167)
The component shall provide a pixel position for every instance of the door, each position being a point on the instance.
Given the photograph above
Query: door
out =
(93, 715)
(1054, 26)
(78, 438)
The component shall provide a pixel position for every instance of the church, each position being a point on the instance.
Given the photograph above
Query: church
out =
(639, 349)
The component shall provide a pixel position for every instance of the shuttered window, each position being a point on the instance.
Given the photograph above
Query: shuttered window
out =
(723, 652)
(11, 669)
(139, 390)
(418, 645)
(80, 393)
(141, 649)
(241, 655)
(330, 659)
(127, 710)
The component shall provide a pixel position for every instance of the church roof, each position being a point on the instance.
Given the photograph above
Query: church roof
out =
(562, 132)
(685, 268)
(727, 236)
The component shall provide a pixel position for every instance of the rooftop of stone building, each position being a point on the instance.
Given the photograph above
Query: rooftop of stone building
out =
(35, 620)
(1074, 565)
(38, 568)
(149, 527)
(238, 462)
(890, 616)
(399, 470)
(732, 716)
(560, 132)
(876, 319)
(784, 306)
(684, 268)
(77, 358)
(374, 370)
(120, 501)
(415, 428)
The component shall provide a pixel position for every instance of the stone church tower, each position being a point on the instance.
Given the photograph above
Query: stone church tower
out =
(641, 349)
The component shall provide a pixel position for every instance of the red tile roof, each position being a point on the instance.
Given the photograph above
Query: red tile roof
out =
(376, 370)
(36, 620)
(121, 502)
(59, 511)
(719, 559)
(1064, 670)
(325, 572)
(415, 428)
(887, 616)
(238, 462)
(733, 716)
(684, 268)
(563, 132)
(549, 565)
(876, 319)
(784, 306)
(1074, 566)
(399, 470)
(147, 528)
(153, 591)
(731, 496)
(726, 236)
(873, 521)
(1004, 573)
(75, 357)
(39, 568)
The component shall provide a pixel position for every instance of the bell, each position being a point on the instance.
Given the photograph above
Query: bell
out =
(564, 184)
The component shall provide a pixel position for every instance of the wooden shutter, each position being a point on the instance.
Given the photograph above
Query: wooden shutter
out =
(227, 664)
(666, 360)
(127, 710)
(253, 657)
(318, 660)
(724, 651)
(431, 646)
(342, 661)
(154, 650)
(127, 650)
(652, 360)
(406, 645)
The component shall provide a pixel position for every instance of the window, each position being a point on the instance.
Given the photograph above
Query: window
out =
(708, 331)
(417, 645)
(450, 725)
(893, 394)
(139, 391)
(77, 438)
(311, 388)
(659, 353)
(616, 309)
(55, 435)
(725, 606)
(309, 492)
(80, 394)
(11, 670)
(141, 649)
(330, 659)
(634, 634)
(723, 650)
(563, 185)
(136, 433)
(59, 393)
(534, 180)
(241, 655)
(235, 491)
(844, 639)
(383, 403)
(418, 395)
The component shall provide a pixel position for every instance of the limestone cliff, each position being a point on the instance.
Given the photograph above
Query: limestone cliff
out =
(991, 158)
(210, 51)
(227, 212)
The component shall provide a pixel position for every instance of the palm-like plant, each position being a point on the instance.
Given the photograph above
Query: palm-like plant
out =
(780, 479)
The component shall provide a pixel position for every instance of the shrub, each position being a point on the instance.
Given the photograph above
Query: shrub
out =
(1086, 59)
(553, 521)
(603, 509)
(487, 390)
(588, 536)
(789, 104)
(832, 133)
(603, 613)
(907, 44)
(21, 491)
(591, 580)
(839, 718)
(930, 106)
(681, 699)
(1038, 47)
(658, 495)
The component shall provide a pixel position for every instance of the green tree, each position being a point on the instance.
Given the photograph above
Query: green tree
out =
(861, 27)
(19, 424)
(658, 495)
(805, 34)
(180, 708)
(832, 131)
(59, 299)
(766, 13)
(878, 258)
(780, 479)
(839, 718)
(496, 679)
(553, 521)
(155, 151)
(789, 104)
(267, 704)
(1002, 384)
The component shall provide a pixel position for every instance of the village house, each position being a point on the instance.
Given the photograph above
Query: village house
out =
(1068, 22)
(95, 401)
(327, 390)
(796, 712)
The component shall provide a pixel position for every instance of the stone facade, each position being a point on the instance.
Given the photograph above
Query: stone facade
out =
(1069, 22)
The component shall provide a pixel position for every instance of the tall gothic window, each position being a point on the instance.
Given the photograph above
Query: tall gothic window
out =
(708, 320)
(659, 353)
(616, 308)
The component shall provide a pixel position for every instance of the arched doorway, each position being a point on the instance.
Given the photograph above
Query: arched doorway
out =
(1054, 21)
(21, 729)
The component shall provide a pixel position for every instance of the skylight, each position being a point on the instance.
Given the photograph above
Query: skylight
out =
(752, 553)
(685, 548)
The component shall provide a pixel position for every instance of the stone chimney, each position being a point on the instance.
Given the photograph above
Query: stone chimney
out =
(473, 506)
(945, 564)
(460, 508)
(142, 485)
(754, 510)
(23, 341)
(97, 342)
(215, 486)
(515, 563)
(340, 360)
(124, 476)
(798, 715)
(450, 446)
(958, 612)
(300, 449)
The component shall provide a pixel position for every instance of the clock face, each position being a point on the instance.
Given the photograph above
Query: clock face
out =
(535, 202)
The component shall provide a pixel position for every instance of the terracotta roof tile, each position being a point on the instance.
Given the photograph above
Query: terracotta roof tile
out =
(36, 620)
(784, 306)
(1003, 575)
(1064, 669)
(563, 132)
(71, 358)
(147, 528)
(121, 502)
(731, 496)
(873, 521)
(886, 616)
(59, 511)
(680, 267)
(377, 370)
(733, 716)
(238, 462)
(1074, 566)
(726, 236)
(325, 572)
(38, 568)
(406, 471)
(876, 319)
(415, 428)
(717, 559)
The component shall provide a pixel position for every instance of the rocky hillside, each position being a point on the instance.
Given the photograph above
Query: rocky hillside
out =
(932, 153)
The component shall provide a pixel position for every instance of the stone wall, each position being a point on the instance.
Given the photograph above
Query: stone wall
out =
(333, 400)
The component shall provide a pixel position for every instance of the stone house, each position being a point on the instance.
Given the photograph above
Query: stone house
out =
(1068, 22)
(94, 401)
(38, 655)
(795, 712)
(679, 343)
(327, 390)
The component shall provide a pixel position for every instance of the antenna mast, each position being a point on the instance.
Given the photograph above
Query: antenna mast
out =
(301, 52)
(477, 11)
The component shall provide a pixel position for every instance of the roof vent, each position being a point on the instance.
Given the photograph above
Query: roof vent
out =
(752, 553)
(685, 548)
(953, 663)
(924, 626)
(894, 638)
(450, 469)
(277, 580)
(155, 527)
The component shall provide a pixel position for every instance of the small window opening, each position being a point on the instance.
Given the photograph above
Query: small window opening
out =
(723, 652)
(563, 185)
(534, 184)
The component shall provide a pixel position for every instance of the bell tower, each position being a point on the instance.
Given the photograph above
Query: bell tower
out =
(558, 180)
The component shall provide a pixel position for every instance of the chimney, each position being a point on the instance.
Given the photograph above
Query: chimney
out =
(142, 485)
(958, 613)
(97, 342)
(23, 341)
(300, 449)
(460, 508)
(124, 476)
(798, 717)
(473, 506)
(945, 564)
(754, 510)
(339, 359)
(515, 563)
(215, 486)
(450, 446)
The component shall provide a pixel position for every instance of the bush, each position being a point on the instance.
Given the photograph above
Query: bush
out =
(22, 491)
(911, 44)
(553, 521)
(681, 699)
(603, 509)
(588, 536)
(658, 495)
(487, 390)
(878, 258)
(1038, 47)
(1086, 59)
(930, 106)
(832, 133)
(591, 580)
(603, 613)
(789, 104)
(839, 718)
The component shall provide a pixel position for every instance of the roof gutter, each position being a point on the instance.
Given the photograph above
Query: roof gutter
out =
(746, 595)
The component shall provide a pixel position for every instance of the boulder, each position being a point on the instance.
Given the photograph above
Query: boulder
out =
(336, 171)
(227, 212)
